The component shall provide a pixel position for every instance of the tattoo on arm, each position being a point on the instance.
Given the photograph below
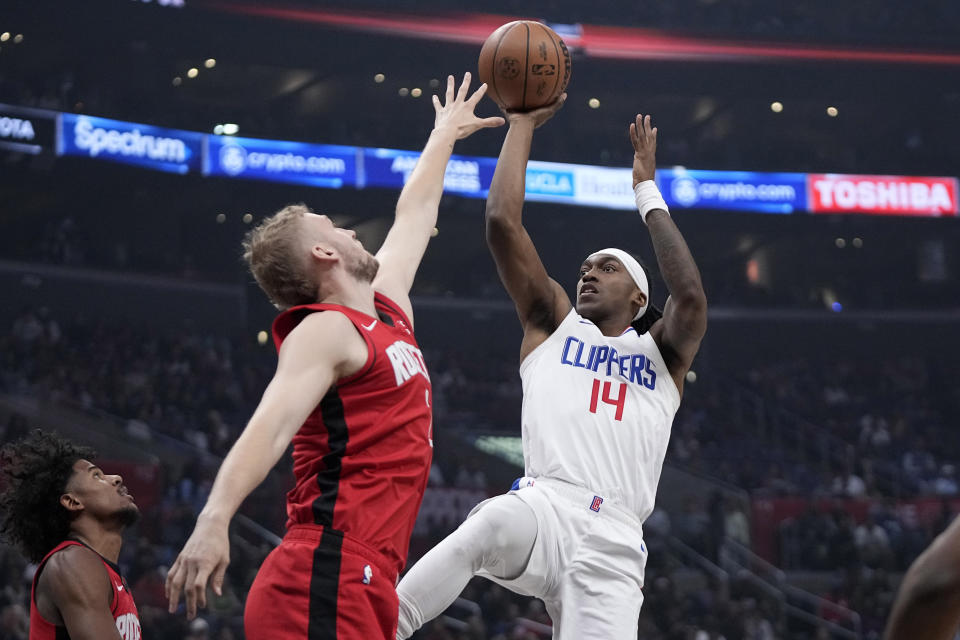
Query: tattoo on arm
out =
(677, 266)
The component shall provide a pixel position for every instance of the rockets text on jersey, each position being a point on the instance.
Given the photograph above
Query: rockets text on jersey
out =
(407, 361)
(129, 626)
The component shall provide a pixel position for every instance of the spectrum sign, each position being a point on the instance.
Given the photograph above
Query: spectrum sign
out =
(882, 195)
(129, 143)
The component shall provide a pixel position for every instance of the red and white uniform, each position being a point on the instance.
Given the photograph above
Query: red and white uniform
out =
(122, 606)
(361, 463)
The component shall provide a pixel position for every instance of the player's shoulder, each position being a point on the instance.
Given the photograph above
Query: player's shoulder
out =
(322, 323)
(75, 557)
(73, 568)
(326, 333)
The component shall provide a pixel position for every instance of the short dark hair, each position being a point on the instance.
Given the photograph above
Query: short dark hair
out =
(35, 471)
(642, 324)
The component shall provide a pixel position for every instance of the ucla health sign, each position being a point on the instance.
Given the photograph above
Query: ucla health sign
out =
(464, 176)
(733, 190)
(551, 182)
(318, 165)
(129, 143)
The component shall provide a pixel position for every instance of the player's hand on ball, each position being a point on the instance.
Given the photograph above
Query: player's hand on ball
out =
(457, 110)
(644, 139)
(538, 116)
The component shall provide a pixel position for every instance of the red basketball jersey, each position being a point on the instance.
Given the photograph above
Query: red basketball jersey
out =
(362, 458)
(122, 606)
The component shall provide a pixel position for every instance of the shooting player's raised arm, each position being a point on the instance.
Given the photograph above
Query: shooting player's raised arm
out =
(540, 301)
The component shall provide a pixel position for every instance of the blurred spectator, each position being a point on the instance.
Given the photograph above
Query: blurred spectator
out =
(199, 629)
(946, 482)
(735, 524)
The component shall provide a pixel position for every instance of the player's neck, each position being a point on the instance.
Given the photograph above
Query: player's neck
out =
(356, 295)
(612, 330)
(611, 327)
(106, 542)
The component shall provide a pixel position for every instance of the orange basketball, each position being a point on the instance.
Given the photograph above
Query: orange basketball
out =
(525, 65)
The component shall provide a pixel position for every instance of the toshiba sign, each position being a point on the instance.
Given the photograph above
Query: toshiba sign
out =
(884, 195)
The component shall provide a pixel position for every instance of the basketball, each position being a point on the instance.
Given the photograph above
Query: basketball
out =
(525, 65)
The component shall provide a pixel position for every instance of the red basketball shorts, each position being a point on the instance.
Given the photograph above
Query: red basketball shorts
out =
(321, 585)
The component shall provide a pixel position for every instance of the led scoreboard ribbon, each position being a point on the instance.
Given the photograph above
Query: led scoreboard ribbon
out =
(336, 166)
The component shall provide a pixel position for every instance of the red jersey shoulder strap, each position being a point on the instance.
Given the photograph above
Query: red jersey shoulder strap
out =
(385, 304)
(287, 321)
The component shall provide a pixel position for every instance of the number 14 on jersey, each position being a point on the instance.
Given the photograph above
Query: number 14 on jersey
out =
(607, 398)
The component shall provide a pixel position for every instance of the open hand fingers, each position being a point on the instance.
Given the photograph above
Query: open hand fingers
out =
(199, 589)
(174, 585)
(559, 102)
(464, 87)
(642, 134)
(495, 121)
(217, 580)
(479, 93)
(649, 132)
(449, 90)
(195, 588)
(641, 130)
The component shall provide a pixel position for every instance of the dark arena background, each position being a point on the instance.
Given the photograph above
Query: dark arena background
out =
(808, 152)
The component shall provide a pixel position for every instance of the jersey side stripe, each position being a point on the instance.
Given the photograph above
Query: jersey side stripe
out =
(328, 480)
(325, 587)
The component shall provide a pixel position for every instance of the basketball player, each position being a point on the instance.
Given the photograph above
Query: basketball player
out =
(602, 381)
(68, 516)
(928, 603)
(352, 393)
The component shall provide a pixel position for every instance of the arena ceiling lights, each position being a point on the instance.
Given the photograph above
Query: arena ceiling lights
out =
(597, 41)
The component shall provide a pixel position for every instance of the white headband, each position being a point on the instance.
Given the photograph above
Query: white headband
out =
(634, 269)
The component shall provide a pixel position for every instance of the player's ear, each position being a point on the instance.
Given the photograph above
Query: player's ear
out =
(70, 502)
(638, 297)
(323, 252)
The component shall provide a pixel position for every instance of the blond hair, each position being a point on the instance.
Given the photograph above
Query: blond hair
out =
(272, 252)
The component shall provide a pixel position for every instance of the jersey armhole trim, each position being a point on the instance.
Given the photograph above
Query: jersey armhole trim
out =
(528, 361)
(371, 356)
(675, 391)
(392, 306)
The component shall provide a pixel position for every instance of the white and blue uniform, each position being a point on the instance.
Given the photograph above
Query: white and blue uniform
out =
(596, 419)
(597, 412)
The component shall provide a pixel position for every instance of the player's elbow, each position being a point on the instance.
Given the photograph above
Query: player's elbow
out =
(502, 209)
(499, 227)
(691, 299)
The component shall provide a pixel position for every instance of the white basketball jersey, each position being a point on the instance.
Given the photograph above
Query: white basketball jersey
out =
(597, 411)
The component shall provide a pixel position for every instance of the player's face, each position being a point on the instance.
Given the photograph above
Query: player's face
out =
(102, 496)
(359, 262)
(605, 288)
